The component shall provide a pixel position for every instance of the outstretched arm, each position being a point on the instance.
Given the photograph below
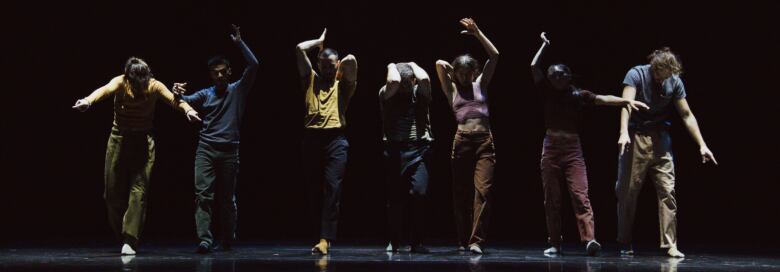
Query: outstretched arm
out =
(175, 102)
(611, 100)
(537, 72)
(490, 65)
(304, 65)
(99, 94)
(392, 83)
(693, 128)
(444, 72)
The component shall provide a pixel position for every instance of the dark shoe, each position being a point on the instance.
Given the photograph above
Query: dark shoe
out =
(203, 248)
(593, 248)
(420, 249)
(223, 246)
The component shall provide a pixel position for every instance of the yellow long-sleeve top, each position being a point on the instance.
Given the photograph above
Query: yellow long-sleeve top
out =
(135, 111)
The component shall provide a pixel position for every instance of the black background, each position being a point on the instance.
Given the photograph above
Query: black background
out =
(52, 156)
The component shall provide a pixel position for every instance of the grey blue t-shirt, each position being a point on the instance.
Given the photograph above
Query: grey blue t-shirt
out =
(658, 97)
(221, 112)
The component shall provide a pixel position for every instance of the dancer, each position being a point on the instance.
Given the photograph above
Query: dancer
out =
(657, 84)
(562, 159)
(473, 156)
(327, 94)
(130, 151)
(216, 159)
(404, 102)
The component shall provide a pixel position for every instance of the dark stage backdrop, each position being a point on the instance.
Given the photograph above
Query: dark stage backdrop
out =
(52, 156)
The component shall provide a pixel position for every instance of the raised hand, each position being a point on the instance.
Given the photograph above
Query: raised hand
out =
(544, 38)
(322, 39)
(179, 88)
(81, 105)
(236, 36)
(470, 25)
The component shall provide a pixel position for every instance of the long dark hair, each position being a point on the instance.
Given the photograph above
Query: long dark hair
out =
(137, 74)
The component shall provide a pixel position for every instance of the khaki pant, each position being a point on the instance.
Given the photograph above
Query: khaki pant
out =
(129, 161)
(649, 155)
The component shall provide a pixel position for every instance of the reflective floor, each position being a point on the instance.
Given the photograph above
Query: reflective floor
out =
(364, 258)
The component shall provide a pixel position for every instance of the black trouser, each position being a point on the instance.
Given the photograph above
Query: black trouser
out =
(325, 160)
(407, 165)
(216, 170)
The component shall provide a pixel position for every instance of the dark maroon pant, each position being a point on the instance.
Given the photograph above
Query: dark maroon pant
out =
(562, 161)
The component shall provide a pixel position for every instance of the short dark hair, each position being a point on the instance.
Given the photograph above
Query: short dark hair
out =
(217, 60)
(407, 74)
(561, 69)
(327, 52)
(137, 74)
(465, 61)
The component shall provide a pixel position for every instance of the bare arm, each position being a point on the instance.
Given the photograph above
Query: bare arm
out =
(175, 101)
(423, 80)
(444, 72)
(629, 93)
(693, 128)
(392, 83)
(490, 64)
(537, 72)
(99, 94)
(304, 65)
(611, 100)
(347, 75)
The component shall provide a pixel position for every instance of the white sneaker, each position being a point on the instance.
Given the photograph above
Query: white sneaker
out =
(475, 249)
(390, 248)
(552, 251)
(673, 252)
(127, 250)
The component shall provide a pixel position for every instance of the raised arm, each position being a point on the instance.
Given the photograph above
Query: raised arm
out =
(347, 75)
(304, 64)
(250, 72)
(444, 72)
(392, 83)
(423, 81)
(490, 64)
(629, 93)
(537, 72)
(693, 128)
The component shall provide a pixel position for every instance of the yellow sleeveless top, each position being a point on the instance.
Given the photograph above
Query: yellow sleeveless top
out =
(324, 109)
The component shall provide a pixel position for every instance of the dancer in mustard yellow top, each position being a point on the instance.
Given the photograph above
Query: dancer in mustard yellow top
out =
(130, 150)
(327, 94)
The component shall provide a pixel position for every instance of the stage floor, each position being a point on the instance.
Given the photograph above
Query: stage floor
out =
(251, 257)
